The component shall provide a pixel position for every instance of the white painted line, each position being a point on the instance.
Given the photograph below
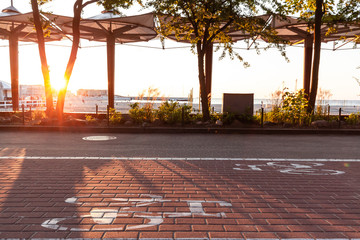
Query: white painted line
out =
(208, 238)
(99, 138)
(180, 159)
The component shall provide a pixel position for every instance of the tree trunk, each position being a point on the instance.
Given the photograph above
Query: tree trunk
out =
(208, 70)
(202, 82)
(42, 53)
(316, 60)
(72, 59)
(308, 56)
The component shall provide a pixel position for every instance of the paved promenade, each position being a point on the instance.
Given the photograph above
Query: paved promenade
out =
(94, 197)
(179, 186)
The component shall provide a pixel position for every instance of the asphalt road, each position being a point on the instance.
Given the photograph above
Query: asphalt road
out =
(180, 145)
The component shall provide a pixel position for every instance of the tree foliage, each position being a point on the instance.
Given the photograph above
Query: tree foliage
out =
(78, 8)
(334, 11)
(204, 22)
(208, 21)
(319, 13)
(349, 10)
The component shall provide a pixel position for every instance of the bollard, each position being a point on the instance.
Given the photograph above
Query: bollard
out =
(108, 115)
(328, 112)
(339, 117)
(262, 117)
(96, 109)
(182, 116)
(23, 113)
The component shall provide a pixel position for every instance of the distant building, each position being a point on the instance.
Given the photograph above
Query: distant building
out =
(35, 92)
(92, 92)
(5, 91)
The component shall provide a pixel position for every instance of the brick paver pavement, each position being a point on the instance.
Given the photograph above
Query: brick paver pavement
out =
(79, 198)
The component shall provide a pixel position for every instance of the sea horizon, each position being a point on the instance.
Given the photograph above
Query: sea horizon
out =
(88, 104)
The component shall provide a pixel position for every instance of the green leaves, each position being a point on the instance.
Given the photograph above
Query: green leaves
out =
(172, 112)
(292, 107)
(112, 4)
(208, 21)
(334, 11)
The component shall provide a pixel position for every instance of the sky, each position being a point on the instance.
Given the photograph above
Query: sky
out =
(174, 70)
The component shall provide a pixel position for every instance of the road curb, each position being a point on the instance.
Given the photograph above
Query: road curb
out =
(180, 130)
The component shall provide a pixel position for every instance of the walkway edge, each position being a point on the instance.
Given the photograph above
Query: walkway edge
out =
(179, 130)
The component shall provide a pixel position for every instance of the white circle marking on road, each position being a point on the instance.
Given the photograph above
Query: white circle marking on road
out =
(99, 138)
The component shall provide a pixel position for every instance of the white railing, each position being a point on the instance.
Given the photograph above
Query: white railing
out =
(32, 103)
(26, 103)
(5, 104)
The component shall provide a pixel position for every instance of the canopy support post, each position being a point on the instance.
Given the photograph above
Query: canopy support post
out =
(111, 70)
(14, 70)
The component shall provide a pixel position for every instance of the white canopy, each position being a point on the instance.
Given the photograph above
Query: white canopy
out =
(22, 25)
(136, 28)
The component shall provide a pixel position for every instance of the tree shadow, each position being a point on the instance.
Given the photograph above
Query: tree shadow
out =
(39, 190)
(86, 198)
(284, 205)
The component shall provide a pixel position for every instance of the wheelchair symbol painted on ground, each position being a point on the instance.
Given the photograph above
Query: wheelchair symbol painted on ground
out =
(290, 168)
(107, 216)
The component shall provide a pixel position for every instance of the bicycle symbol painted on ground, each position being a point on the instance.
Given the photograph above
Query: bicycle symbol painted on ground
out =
(290, 168)
(103, 216)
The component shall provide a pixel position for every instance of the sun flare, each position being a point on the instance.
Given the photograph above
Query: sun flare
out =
(57, 84)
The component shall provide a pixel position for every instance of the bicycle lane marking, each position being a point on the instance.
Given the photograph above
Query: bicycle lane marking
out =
(289, 168)
(103, 216)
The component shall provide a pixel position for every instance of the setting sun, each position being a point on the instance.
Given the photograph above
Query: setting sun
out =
(57, 84)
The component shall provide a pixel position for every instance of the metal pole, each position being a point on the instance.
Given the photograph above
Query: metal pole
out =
(23, 113)
(182, 115)
(339, 117)
(108, 115)
(262, 117)
(96, 109)
(328, 112)
(199, 99)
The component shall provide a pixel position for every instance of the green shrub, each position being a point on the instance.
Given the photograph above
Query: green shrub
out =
(136, 113)
(90, 119)
(228, 118)
(294, 106)
(171, 112)
(114, 116)
(292, 109)
(38, 115)
(145, 112)
(216, 116)
(353, 118)
(196, 117)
